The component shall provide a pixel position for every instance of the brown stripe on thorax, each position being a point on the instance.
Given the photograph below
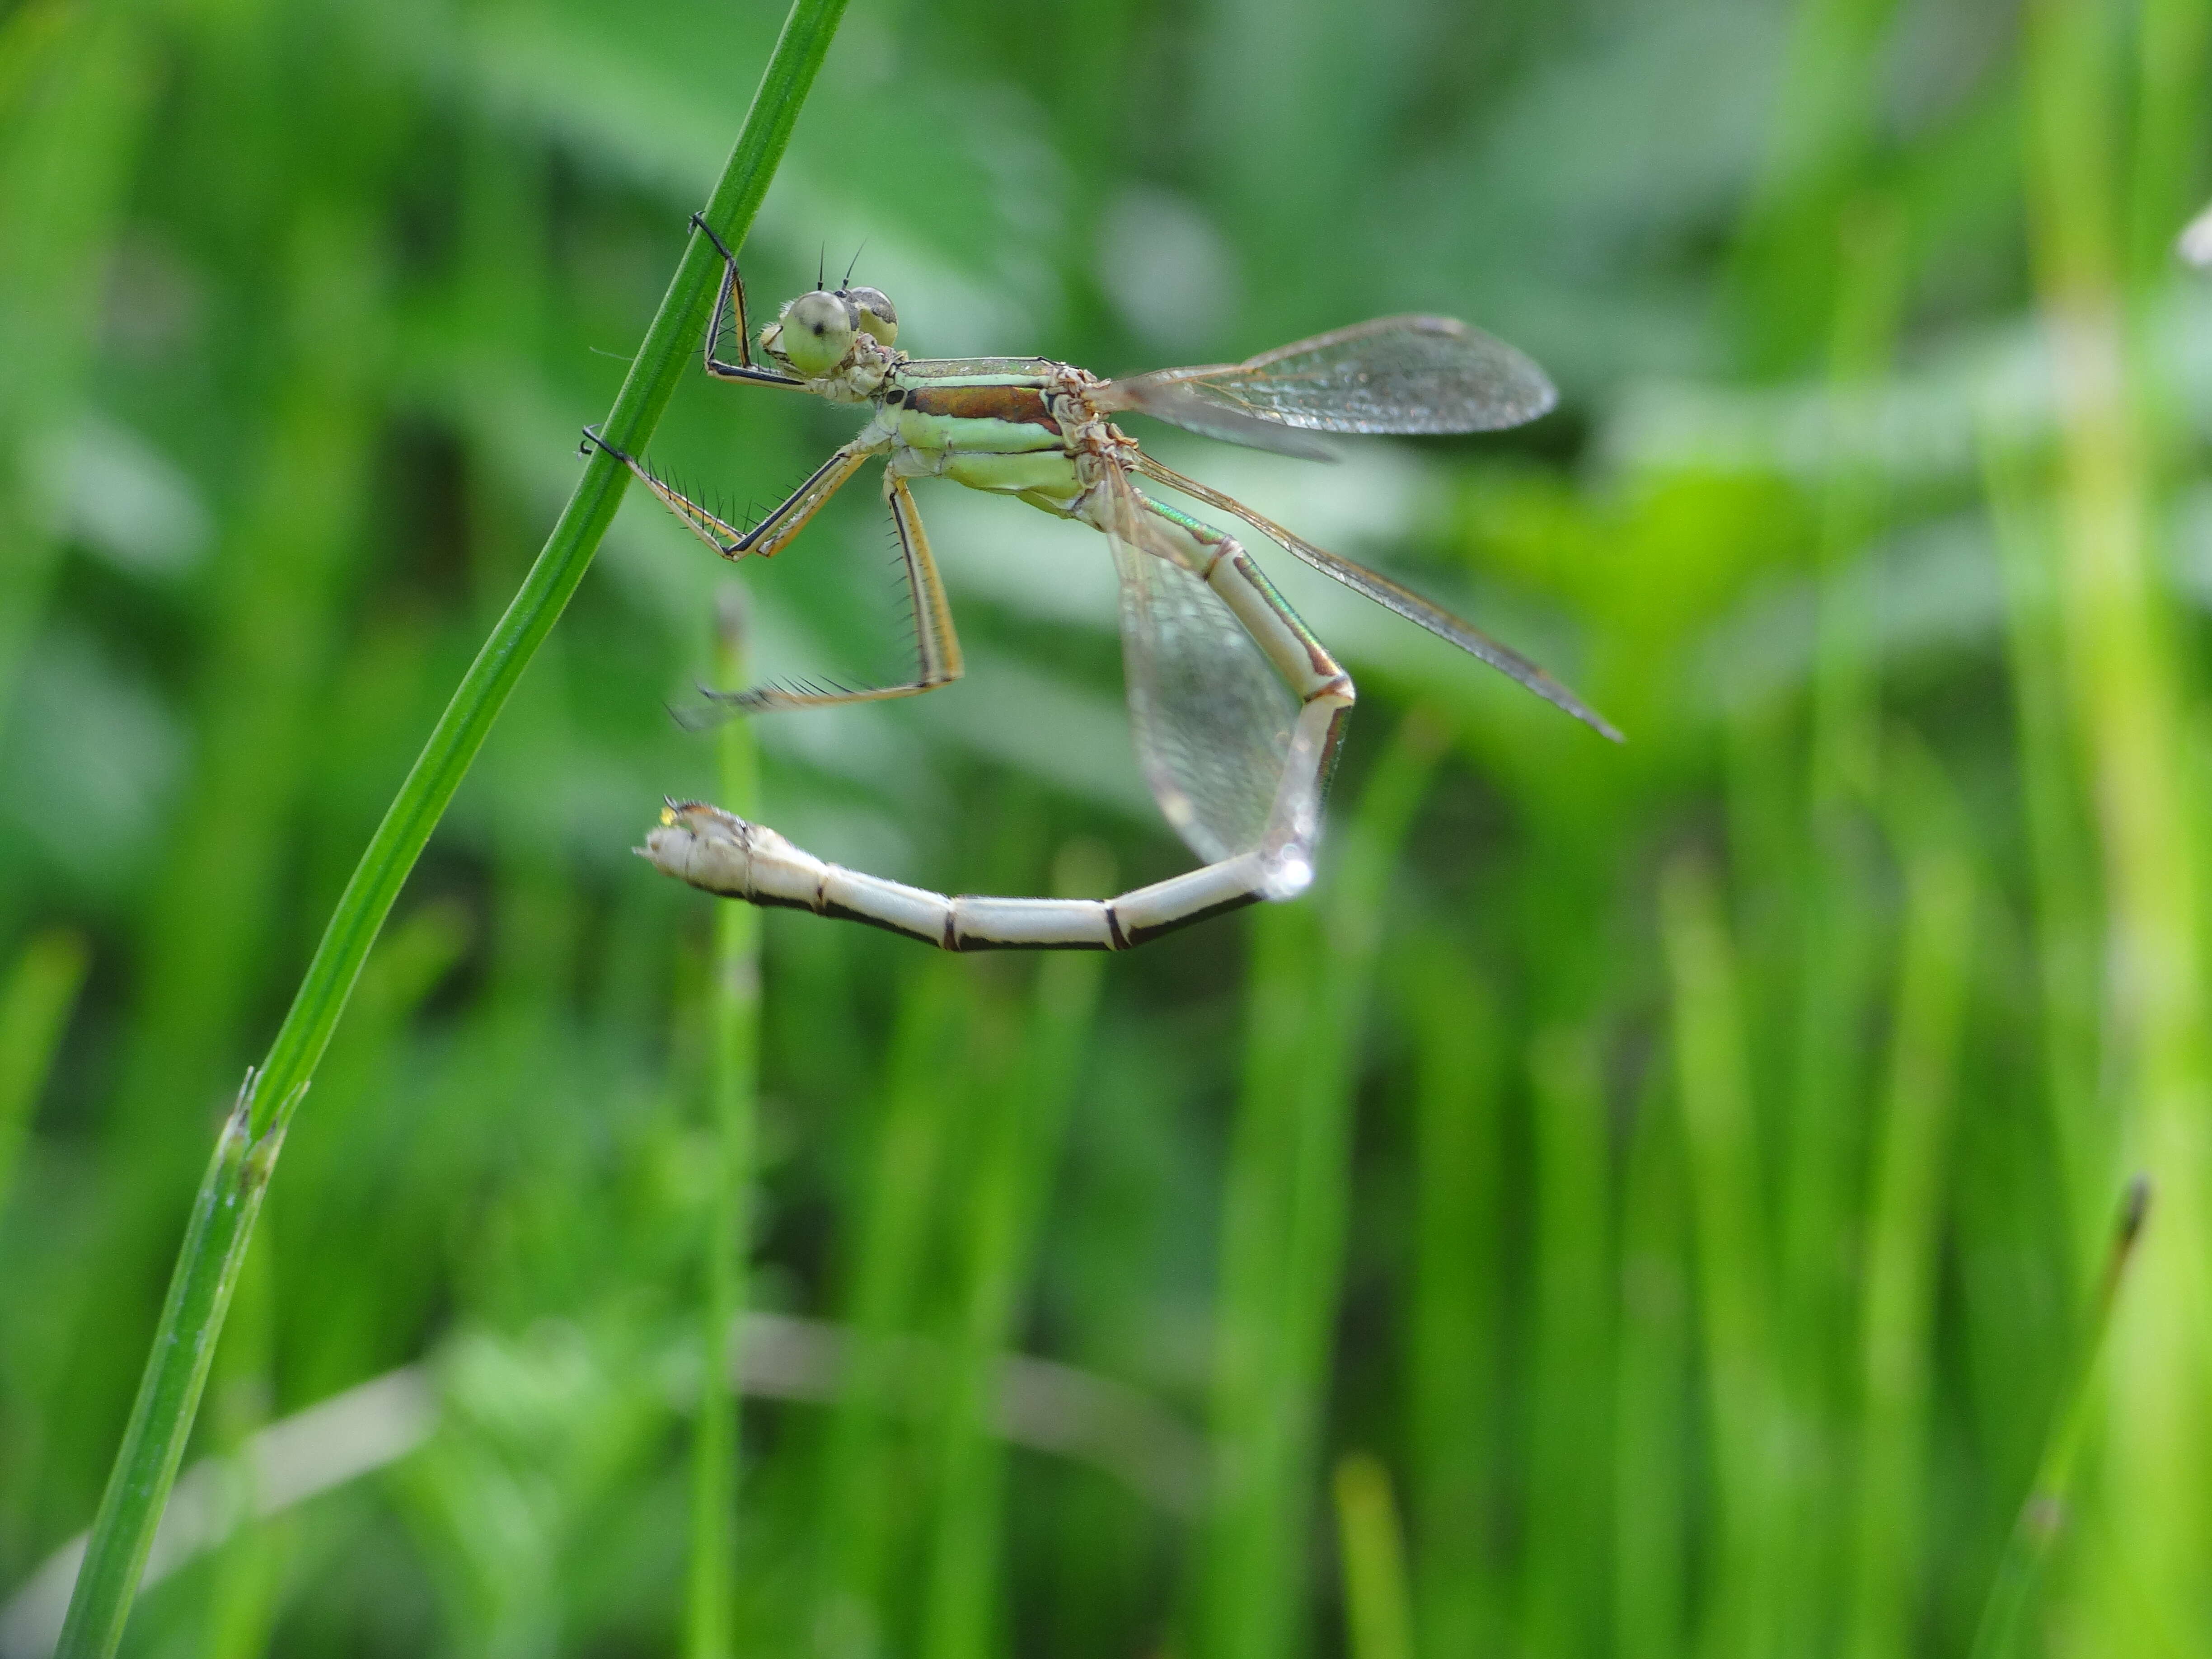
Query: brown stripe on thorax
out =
(1020, 405)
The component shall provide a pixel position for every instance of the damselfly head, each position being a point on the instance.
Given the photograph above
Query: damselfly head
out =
(815, 332)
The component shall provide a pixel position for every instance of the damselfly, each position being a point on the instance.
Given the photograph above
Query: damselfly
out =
(1237, 707)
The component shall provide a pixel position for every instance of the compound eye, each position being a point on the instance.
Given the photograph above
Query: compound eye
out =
(818, 331)
(878, 316)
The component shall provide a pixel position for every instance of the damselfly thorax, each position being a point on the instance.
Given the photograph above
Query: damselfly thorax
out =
(1031, 433)
(1237, 708)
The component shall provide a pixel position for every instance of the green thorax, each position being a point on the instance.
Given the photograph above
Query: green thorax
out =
(975, 405)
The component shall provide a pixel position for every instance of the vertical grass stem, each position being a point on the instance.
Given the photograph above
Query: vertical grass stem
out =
(733, 1084)
(1285, 1214)
(34, 1008)
(2042, 1513)
(1378, 1613)
(1730, 1231)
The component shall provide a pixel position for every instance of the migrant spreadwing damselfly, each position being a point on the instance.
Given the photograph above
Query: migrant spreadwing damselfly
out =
(1237, 707)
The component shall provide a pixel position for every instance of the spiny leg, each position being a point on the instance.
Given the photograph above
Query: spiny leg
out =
(773, 533)
(732, 295)
(937, 648)
(719, 852)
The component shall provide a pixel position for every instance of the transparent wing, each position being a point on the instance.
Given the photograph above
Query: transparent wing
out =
(1404, 375)
(1391, 595)
(1212, 718)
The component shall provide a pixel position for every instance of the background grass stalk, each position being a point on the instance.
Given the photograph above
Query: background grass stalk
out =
(277, 592)
(1839, 942)
(1454, 1332)
(34, 1010)
(897, 1206)
(733, 1087)
(1008, 1192)
(1378, 1613)
(1570, 1431)
(2127, 693)
(1652, 1390)
(2043, 1512)
(229, 1196)
(2054, 808)
(1897, 1330)
(1712, 1079)
(73, 83)
(1285, 1216)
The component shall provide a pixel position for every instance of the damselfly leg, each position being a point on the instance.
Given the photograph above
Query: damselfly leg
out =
(730, 301)
(936, 647)
(773, 533)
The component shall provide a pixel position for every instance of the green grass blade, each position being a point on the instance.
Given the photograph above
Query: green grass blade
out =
(208, 1266)
(2043, 1512)
(249, 1568)
(278, 584)
(1730, 1232)
(1378, 1613)
(1005, 1195)
(1457, 1321)
(1570, 1432)
(229, 1195)
(1652, 1394)
(75, 82)
(733, 1086)
(1839, 942)
(34, 1010)
(1285, 1216)
(1897, 1334)
(898, 1210)
(2062, 860)
(2131, 710)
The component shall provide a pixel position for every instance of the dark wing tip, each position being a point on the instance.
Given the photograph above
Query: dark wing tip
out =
(1531, 678)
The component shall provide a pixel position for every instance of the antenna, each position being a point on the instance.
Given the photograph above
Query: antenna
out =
(857, 253)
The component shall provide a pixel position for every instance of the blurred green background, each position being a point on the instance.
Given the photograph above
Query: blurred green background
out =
(1643, 1202)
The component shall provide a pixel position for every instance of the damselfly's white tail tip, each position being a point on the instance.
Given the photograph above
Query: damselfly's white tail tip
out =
(703, 845)
(1289, 875)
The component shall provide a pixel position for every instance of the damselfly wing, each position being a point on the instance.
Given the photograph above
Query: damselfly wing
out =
(1210, 717)
(1405, 375)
